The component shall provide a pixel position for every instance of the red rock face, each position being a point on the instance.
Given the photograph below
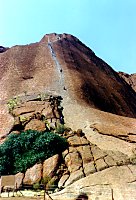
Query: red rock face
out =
(63, 65)
(130, 79)
(93, 81)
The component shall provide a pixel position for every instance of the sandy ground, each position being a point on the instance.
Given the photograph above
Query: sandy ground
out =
(26, 195)
(21, 198)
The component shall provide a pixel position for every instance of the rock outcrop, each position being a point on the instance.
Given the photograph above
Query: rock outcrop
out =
(97, 102)
(86, 167)
(117, 182)
(130, 79)
(33, 112)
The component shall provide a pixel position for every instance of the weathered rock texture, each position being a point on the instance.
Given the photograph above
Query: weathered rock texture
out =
(100, 160)
(50, 166)
(96, 83)
(33, 175)
(112, 183)
(84, 160)
(130, 79)
(39, 112)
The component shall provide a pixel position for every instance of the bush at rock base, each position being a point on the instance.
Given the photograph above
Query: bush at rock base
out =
(36, 186)
(20, 152)
(61, 128)
(49, 183)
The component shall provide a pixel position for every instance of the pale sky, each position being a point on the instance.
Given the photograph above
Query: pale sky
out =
(108, 27)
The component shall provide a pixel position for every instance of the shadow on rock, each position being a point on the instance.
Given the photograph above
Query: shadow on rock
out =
(82, 196)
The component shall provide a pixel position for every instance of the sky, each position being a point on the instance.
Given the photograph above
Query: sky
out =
(108, 27)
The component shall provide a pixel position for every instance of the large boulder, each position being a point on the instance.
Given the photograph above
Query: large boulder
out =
(73, 161)
(33, 175)
(19, 179)
(50, 166)
(6, 120)
(86, 153)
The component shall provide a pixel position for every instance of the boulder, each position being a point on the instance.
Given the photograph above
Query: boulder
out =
(64, 153)
(118, 157)
(73, 161)
(50, 166)
(56, 114)
(28, 107)
(22, 110)
(33, 175)
(110, 161)
(80, 133)
(104, 143)
(47, 112)
(19, 179)
(77, 141)
(35, 124)
(6, 120)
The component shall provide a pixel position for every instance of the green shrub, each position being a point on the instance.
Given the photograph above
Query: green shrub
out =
(45, 180)
(49, 183)
(61, 128)
(36, 186)
(42, 96)
(20, 152)
(12, 103)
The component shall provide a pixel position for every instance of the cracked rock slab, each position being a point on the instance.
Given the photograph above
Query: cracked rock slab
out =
(85, 153)
(110, 161)
(116, 183)
(100, 164)
(89, 168)
(62, 180)
(73, 161)
(74, 176)
(77, 141)
(97, 152)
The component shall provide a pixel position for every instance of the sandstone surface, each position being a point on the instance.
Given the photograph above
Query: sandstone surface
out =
(33, 175)
(50, 166)
(97, 102)
(63, 57)
(109, 184)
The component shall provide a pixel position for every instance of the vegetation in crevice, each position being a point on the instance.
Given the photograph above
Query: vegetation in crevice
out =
(12, 103)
